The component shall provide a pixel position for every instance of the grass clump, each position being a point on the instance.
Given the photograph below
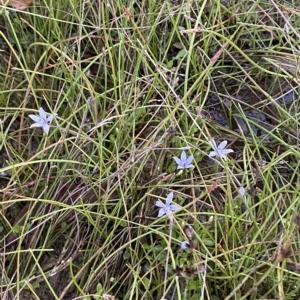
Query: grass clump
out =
(105, 205)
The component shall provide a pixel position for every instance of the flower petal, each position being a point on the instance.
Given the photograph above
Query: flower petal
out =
(161, 212)
(183, 156)
(241, 191)
(178, 161)
(184, 245)
(50, 118)
(213, 153)
(189, 160)
(36, 125)
(222, 145)
(169, 198)
(42, 113)
(226, 151)
(213, 144)
(159, 203)
(46, 128)
(35, 118)
(174, 207)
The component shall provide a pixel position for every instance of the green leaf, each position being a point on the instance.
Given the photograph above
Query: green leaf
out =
(208, 242)
(182, 53)
(193, 285)
(99, 288)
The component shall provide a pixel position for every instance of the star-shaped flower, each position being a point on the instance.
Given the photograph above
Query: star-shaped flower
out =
(183, 162)
(167, 208)
(219, 151)
(42, 120)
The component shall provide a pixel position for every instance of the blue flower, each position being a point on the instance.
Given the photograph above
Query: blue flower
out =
(42, 120)
(167, 208)
(241, 191)
(184, 245)
(184, 162)
(219, 151)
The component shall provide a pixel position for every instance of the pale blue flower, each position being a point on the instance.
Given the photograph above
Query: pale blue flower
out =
(241, 191)
(42, 120)
(167, 208)
(184, 245)
(219, 151)
(183, 162)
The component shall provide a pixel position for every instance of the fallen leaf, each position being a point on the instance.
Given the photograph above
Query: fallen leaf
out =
(189, 31)
(18, 4)
(217, 55)
(213, 186)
